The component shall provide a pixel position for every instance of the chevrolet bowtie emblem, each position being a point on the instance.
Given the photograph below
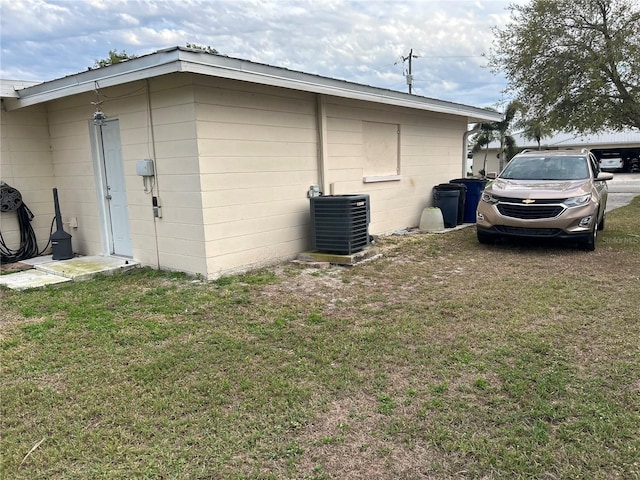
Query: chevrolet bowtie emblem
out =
(528, 201)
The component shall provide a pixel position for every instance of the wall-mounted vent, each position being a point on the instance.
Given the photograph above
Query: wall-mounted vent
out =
(340, 223)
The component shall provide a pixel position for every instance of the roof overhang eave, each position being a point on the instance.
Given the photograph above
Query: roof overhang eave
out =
(181, 60)
(277, 77)
(56, 92)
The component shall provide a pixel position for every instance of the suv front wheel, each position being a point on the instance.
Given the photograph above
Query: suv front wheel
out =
(602, 221)
(590, 243)
(484, 238)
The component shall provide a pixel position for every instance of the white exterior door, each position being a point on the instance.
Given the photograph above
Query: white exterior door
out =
(115, 192)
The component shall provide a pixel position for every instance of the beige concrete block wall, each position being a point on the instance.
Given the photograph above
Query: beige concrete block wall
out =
(430, 147)
(70, 123)
(26, 164)
(162, 129)
(129, 105)
(160, 125)
(258, 157)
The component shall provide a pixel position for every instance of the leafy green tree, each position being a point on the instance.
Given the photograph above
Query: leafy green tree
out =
(207, 49)
(575, 63)
(114, 57)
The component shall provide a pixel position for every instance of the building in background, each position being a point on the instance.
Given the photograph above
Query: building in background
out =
(624, 145)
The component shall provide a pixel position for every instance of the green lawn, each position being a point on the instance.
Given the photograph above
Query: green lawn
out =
(442, 359)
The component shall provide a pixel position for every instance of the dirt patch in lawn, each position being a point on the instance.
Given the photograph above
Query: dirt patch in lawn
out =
(6, 268)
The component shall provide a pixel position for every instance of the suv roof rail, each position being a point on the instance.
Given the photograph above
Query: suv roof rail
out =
(584, 150)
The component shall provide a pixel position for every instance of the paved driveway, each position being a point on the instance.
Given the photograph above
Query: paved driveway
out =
(622, 189)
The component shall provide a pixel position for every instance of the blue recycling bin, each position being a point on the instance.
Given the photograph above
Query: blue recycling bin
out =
(475, 186)
(447, 202)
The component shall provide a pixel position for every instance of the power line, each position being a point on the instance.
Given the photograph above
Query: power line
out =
(482, 55)
(409, 75)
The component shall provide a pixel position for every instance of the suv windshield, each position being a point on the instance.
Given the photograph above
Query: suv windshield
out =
(546, 168)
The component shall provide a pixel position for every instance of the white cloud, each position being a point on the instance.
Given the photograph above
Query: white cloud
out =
(126, 18)
(356, 40)
(29, 18)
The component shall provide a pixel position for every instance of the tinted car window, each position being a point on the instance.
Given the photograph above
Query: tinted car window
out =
(547, 168)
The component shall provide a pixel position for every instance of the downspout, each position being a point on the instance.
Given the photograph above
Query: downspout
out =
(465, 139)
(156, 185)
(322, 144)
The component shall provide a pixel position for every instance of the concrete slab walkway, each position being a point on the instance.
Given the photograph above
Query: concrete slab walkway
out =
(46, 271)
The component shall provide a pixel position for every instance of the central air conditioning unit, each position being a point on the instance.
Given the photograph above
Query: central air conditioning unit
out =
(340, 223)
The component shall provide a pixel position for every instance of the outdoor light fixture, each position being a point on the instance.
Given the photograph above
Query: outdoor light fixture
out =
(99, 118)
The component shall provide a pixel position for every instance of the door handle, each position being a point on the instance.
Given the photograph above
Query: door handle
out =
(108, 197)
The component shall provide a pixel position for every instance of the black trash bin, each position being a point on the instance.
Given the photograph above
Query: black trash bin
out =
(447, 202)
(461, 197)
(475, 186)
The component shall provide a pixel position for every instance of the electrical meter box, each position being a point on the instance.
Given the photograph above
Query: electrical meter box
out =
(144, 168)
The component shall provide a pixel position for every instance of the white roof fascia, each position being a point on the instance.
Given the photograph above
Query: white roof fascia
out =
(83, 87)
(118, 74)
(339, 88)
(178, 59)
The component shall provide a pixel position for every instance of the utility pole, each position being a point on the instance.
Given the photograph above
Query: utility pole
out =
(409, 75)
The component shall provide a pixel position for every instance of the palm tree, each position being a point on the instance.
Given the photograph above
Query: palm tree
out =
(482, 140)
(535, 129)
(499, 132)
(503, 130)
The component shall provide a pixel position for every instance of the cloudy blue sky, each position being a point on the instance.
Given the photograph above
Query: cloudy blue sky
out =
(363, 41)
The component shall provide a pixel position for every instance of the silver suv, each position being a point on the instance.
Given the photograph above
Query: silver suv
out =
(545, 194)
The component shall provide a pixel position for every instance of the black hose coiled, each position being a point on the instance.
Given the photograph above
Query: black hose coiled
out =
(10, 199)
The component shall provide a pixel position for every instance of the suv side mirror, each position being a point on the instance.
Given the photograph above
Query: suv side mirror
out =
(491, 175)
(603, 177)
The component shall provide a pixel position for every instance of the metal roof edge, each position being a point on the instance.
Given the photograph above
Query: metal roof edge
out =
(11, 88)
(244, 70)
(159, 63)
(181, 59)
